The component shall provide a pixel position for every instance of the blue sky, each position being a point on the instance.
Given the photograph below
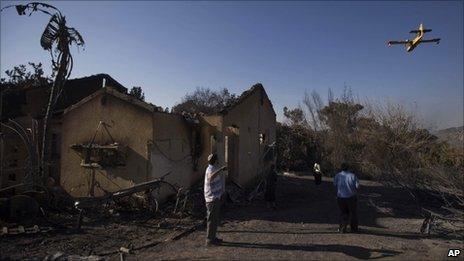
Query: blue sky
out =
(170, 48)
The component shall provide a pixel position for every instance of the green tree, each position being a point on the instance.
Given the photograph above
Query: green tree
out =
(294, 116)
(137, 92)
(21, 76)
(295, 141)
(205, 100)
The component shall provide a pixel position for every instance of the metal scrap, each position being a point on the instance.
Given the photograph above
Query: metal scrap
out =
(85, 204)
(60, 256)
(24, 230)
(235, 192)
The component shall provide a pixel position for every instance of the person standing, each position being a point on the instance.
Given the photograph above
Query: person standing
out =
(347, 185)
(317, 173)
(213, 190)
(269, 195)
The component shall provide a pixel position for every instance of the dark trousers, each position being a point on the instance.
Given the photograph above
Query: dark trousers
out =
(317, 178)
(348, 210)
(213, 210)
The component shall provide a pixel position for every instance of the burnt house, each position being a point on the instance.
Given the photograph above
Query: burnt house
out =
(105, 140)
(247, 137)
(26, 106)
(112, 141)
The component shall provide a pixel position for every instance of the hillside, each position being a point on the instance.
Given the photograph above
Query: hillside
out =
(454, 136)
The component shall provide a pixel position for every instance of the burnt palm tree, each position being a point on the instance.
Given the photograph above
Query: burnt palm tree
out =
(57, 39)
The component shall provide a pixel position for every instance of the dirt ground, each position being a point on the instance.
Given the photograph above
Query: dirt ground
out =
(303, 227)
(100, 237)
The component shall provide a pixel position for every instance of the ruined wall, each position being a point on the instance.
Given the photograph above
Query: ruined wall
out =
(158, 142)
(14, 155)
(12, 149)
(29, 107)
(171, 150)
(129, 125)
(36, 101)
(252, 116)
(210, 127)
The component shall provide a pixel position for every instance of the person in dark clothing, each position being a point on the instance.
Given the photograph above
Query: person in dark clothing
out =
(347, 185)
(348, 210)
(271, 180)
(317, 174)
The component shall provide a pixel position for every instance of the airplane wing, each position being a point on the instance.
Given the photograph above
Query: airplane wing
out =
(435, 40)
(398, 42)
(417, 31)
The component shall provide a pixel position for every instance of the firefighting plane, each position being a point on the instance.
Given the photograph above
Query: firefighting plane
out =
(411, 44)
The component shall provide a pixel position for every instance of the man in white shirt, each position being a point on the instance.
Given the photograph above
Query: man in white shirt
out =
(214, 189)
(317, 173)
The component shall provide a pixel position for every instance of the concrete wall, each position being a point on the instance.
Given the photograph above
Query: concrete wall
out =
(158, 142)
(13, 151)
(252, 117)
(14, 155)
(36, 101)
(171, 149)
(211, 126)
(129, 125)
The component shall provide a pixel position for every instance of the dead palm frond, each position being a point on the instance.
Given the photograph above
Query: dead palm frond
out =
(56, 38)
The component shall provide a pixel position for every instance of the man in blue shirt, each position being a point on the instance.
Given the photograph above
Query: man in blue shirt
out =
(347, 185)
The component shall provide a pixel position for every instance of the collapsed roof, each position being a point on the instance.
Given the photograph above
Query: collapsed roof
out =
(73, 91)
(245, 95)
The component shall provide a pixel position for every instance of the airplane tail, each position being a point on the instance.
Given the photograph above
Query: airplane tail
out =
(421, 29)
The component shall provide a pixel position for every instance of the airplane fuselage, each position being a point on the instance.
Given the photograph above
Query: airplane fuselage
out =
(418, 39)
(415, 41)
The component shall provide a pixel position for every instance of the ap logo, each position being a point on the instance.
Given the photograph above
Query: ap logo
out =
(454, 252)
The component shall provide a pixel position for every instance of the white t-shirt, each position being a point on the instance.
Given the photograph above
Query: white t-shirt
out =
(317, 167)
(213, 188)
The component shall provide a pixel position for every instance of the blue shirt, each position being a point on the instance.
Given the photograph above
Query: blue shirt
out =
(347, 184)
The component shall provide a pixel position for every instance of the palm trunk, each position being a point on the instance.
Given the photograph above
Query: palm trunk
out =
(57, 85)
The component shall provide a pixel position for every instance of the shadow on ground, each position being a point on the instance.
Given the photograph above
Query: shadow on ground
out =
(299, 200)
(309, 232)
(353, 251)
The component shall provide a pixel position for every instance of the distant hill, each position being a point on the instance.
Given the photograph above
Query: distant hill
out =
(454, 136)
